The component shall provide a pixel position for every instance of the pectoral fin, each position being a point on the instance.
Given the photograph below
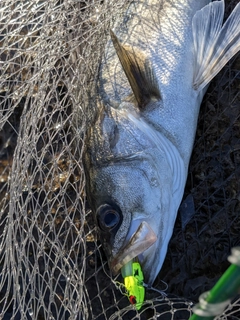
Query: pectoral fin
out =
(215, 44)
(139, 72)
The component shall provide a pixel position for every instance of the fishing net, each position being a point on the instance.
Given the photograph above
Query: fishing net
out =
(51, 263)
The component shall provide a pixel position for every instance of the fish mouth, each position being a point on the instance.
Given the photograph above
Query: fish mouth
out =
(141, 240)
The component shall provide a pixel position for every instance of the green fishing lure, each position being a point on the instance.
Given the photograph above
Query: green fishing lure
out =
(133, 282)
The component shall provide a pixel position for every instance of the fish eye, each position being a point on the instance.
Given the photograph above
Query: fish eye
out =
(108, 217)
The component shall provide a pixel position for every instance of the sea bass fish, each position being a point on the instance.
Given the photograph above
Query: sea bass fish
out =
(154, 73)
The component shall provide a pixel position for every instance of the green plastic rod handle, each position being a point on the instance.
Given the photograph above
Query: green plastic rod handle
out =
(214, 302)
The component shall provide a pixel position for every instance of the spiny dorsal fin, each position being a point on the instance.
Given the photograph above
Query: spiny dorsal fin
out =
(139, 72)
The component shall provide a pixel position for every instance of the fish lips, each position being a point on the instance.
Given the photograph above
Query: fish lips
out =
(142, 239)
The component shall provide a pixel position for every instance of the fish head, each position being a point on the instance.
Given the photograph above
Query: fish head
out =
(130, 190)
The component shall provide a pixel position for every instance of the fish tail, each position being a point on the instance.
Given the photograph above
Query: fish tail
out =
(215, 43)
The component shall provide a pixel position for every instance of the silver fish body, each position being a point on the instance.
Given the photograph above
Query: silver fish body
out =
(137, 152)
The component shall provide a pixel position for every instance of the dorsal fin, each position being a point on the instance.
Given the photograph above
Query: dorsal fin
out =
(139, 72)
(215, 43)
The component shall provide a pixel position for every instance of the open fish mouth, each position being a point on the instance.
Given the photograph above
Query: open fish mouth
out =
(141, 240)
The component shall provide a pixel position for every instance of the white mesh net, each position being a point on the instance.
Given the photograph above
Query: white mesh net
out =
(51, 264)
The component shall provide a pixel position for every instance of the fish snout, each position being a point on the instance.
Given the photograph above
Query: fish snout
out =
(139, 241)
